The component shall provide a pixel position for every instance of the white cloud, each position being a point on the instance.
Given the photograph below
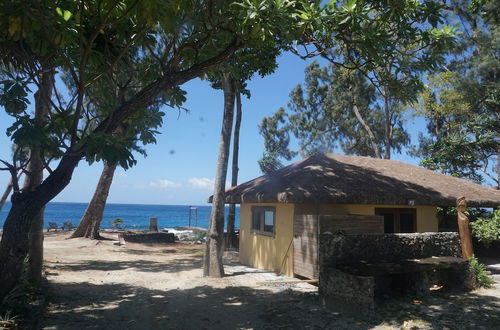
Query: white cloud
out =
(164, 183)
(201, 183)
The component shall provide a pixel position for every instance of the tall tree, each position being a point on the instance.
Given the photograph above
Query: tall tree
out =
(34, 175)
(215, 237)
(91, 220)
(462, 104)
(335, 107)
(172, 42)
(231, 216)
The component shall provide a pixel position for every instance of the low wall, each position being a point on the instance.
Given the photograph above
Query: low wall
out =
(388, 267)
(148, 238)
(347, 249)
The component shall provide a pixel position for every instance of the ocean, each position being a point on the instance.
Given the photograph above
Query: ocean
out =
(134, 216)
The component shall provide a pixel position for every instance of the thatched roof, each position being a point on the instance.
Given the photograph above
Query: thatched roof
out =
(340, 179)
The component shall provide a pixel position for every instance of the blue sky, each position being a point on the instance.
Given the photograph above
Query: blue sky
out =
(180, 168)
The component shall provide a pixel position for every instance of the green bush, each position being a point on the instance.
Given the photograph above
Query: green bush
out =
(480, 273)
(117, 223)
(487, 229)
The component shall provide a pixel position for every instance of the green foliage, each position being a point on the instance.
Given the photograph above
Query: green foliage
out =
(480, 273)
(321, 116)
(117, 223)
(200, 236)
(462, 105)
(487, 229)
(269, 162)
(8, 321)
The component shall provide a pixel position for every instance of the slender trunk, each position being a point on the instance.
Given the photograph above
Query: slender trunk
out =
(212, 262)
(371, 136)
(231, 217)
(498, 168)
(91, 220)
(25, 206)
(388, 127)
(35, 178)
(6, 194)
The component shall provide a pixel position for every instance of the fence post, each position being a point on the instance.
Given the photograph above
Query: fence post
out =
(153, 224)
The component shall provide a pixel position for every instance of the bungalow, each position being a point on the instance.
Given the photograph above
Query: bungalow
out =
(282, 213)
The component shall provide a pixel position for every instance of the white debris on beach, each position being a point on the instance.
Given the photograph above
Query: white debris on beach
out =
(196, 234)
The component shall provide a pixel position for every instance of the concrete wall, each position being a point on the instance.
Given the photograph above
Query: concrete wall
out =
(267, 252)
(426, 215)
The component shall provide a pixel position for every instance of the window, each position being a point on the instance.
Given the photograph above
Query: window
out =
(263, 220)
(400, 220)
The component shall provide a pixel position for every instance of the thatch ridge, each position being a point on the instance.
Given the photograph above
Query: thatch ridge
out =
(330, 178)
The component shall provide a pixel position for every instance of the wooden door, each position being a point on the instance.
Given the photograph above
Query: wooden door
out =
(305, 245)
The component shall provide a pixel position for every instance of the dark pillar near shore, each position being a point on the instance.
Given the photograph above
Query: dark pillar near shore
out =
(153, 224)
(463, 228)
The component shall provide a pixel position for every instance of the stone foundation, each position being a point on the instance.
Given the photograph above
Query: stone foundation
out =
(357, 270)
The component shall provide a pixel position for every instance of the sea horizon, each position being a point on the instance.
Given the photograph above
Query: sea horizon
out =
(134, 216)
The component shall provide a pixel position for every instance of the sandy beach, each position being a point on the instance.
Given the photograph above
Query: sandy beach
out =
(100, 285)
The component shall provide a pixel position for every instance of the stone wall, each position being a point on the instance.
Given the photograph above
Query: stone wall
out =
(388, 270)
(148, 238)
(372, 248)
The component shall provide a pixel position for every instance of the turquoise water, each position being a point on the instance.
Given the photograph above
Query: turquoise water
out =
(135, 216)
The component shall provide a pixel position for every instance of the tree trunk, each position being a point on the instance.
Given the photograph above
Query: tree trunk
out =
(498, 168)
(212, 263)
(371, 136)
(231, 217)
(35, 178)
(91, 220)
(25, 206)
(6, 194)
(388, 128)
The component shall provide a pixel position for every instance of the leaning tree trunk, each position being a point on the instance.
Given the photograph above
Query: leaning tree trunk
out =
(35, 177)
(212, 263)
(366, 127)
(25, 207)
(91, 220)
(231, 216)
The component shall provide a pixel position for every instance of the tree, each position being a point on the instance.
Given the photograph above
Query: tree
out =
(261, 58)
(91, 220)
(368, 41)
(171, 42)
(335, 107)
(34, 175)
(461, 104)
(215, 237)
(141, 126)
(231, 216)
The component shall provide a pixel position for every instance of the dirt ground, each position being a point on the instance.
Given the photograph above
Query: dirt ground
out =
(100, 285)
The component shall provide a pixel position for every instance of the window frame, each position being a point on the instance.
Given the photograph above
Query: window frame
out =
(396, 213)
(260, 211)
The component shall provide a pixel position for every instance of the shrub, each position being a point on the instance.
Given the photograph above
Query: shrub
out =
(480, 273)
(117, 223)
(487, 229)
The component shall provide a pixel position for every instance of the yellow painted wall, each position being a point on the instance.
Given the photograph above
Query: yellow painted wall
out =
(266, 252)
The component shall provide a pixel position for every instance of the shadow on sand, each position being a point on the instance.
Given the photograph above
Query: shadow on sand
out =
(121, 306)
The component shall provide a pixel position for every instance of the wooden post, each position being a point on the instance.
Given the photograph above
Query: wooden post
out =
(153, 224)
(463, 228)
